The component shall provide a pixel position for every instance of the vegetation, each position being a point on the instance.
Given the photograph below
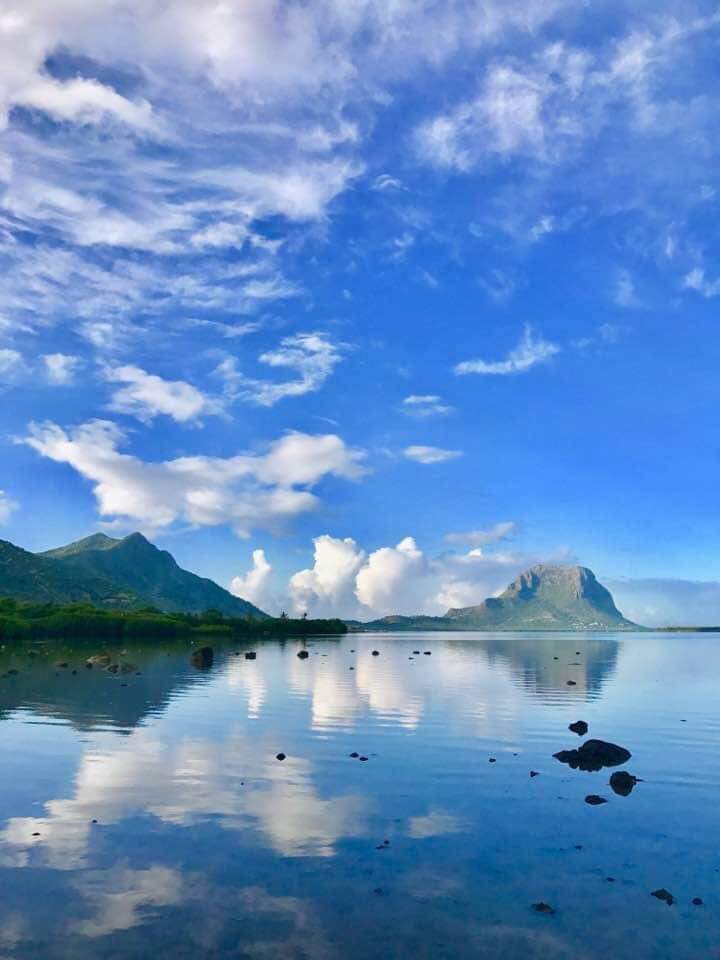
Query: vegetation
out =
(40, 621)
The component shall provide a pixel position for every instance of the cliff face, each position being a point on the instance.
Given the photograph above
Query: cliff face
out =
(547, 597)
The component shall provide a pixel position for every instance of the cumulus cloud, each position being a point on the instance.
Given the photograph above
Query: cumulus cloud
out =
(7, 507)
(60, 368)
(530, 352)
(312, 356)
(146, 396)
(247, 491)
(328, 587)
(424, 406)
(429, 455)
(387, 583)
(253, 585)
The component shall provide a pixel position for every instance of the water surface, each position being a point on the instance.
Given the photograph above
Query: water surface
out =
(147, 815)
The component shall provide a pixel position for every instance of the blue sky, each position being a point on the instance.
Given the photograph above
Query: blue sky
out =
(406, 296)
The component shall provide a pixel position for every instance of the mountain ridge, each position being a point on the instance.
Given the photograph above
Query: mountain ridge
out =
(126, 573)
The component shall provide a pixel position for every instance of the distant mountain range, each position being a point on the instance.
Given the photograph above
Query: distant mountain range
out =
(545, 597)
(128, 573)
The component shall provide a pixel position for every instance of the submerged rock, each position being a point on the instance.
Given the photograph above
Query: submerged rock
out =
(542, 907)
(303, 654)
(623, 783)
(697, 901)
(579, 727)
(664, 895)
(534, 773)
(594, 800)
(593, 755)
(250, 655)
(203, 658)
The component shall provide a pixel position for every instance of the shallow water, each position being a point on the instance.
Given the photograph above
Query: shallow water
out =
(205, 845)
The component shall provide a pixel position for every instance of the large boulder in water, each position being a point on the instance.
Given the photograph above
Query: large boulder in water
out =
(623, 783)
(202, 658)
(594, 755)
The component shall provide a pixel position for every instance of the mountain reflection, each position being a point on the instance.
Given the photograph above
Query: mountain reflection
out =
(149, 813)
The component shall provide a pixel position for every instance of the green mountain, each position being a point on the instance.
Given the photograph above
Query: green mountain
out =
(545, 597)
(128, 573)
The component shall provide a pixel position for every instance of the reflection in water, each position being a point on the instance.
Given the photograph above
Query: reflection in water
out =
(148, 813)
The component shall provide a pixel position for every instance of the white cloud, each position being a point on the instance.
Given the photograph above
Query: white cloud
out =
(253, 585)
(624, 293)
(327, 588)
(83, 101)
(481, 538)
(146, 396)
(529, 352)
(247, 491)
(428, 455)
(389, 581)
(60, 368)
(697, 281)
(312, 356)
(426, 406)
(7, 507)
(12, 364)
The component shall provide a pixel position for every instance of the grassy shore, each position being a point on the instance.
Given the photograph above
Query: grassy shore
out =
(32, 621)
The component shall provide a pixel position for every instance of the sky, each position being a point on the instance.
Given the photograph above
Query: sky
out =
(364, 308)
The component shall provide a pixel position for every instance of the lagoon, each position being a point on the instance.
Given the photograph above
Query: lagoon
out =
(145, 813)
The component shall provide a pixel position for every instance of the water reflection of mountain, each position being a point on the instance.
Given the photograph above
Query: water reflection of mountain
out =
(92, 698)
(545, 662)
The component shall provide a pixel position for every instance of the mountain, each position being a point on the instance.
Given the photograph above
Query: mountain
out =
(127, 573)
(545, 597)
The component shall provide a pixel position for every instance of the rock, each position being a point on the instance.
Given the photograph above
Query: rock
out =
(280, 756)
(428, 653)
(534, 773)
(610, 879)
(579, 727)
(542, 907)
(594, 800)
(376, 653)
(416, 652)
(98, 660)
(303, 654)
(623, 783)
(593, 755)
(570, 683)
(250, 655)
(492, 760)
(354, 754)
(203, 658)
(697, 901)
(664, 895)
(363, 758)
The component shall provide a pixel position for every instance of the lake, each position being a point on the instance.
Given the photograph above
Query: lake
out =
(147, 815)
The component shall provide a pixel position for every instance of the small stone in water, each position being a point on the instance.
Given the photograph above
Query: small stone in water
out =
(664, 895)
(542, 907)
(697, 901)
(280, 756)
(594, 800)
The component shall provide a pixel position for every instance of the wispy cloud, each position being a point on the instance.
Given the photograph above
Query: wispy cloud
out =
(697, 281)
(425, 406)
(312, 356)
(530, 352)
(7, 507)
(61, 368)
(481, 538)
(428, 455)
(145, 396)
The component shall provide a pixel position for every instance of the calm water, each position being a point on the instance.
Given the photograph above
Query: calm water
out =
(147, 815)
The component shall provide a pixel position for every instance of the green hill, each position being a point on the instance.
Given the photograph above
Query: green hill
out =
(125, 574)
